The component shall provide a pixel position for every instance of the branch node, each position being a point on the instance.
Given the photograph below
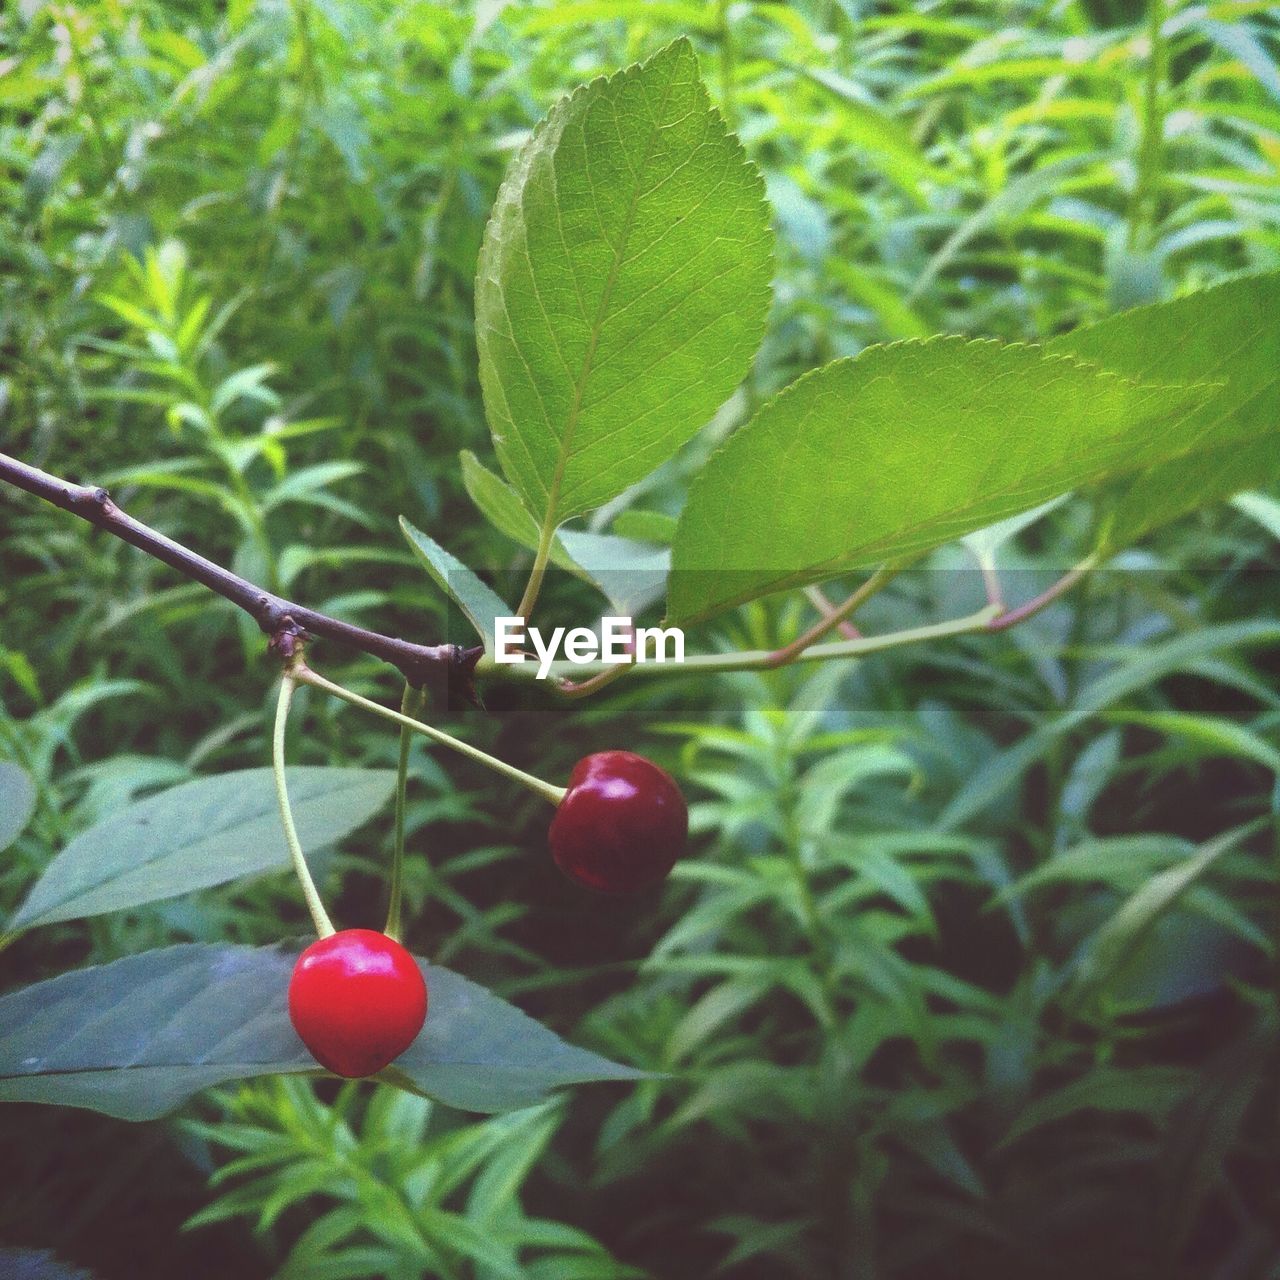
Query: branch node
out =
(288, 641)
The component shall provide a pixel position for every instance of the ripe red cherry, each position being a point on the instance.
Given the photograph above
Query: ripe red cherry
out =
(621, 825)
(357, 1000)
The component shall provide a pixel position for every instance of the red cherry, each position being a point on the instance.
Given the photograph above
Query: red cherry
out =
(621, 825)
(357, 1000)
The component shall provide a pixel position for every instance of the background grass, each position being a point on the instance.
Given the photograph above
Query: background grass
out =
(238, 243)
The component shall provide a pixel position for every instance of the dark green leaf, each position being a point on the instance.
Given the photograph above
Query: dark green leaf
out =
(137, 1037)
(472, 596)
(17, 803)
(198, 834)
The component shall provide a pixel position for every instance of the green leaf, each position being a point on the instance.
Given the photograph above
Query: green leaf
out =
(630, 575)
(646, 526)
(1147, 666)
(1226, 335)
(17, 803)
(499, 503)
(1215, 734)
(1262, 510)
(879, 458)
(472, 596)
(1125, 931)
(1152, 1090)
(622, 288)
(984, 543)
(138, 1037)
(198, 834)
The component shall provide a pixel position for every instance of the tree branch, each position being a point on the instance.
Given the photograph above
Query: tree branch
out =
(448, 664)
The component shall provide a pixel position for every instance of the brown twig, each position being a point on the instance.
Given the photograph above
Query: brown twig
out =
(283, 620)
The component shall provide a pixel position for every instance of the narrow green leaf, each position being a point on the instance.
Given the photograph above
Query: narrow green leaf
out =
(17, 803)
(875, 459)
(623, 285)
(138, 1037)
(1262, 510)
(630, 575)
(1216, 734)
(1146, 667)
(1125, 931)
(1153, 1091)
(198, 834)
(1227, 443)
(984, 543)
(1121, 862)
(473, 597)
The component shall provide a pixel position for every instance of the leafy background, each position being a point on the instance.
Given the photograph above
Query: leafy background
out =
(974, 969)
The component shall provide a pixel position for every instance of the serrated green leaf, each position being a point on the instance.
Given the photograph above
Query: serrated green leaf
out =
(473, 597)
(198, 834)
(17, 803)
(622, 288)
(1225, 335)
(875, 459)
(138, 1037)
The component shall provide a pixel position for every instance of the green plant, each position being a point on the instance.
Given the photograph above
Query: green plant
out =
(999, 173)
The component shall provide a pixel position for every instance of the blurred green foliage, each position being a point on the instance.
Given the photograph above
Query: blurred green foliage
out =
(974, 970)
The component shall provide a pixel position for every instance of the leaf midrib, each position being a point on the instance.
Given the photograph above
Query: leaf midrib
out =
(550, 522)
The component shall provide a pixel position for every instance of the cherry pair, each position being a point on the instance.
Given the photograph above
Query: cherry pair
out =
(357, 998)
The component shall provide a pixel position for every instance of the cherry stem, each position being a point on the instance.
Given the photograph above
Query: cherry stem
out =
(789, 653)
(548, 791)
(584, 688)
(410, 704)
(1011, 617)
(817, 597)
(324, 926)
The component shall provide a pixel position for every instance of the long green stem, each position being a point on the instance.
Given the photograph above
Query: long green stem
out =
(547, 790)
(324, 926)
(410, 705)
(539, 571)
